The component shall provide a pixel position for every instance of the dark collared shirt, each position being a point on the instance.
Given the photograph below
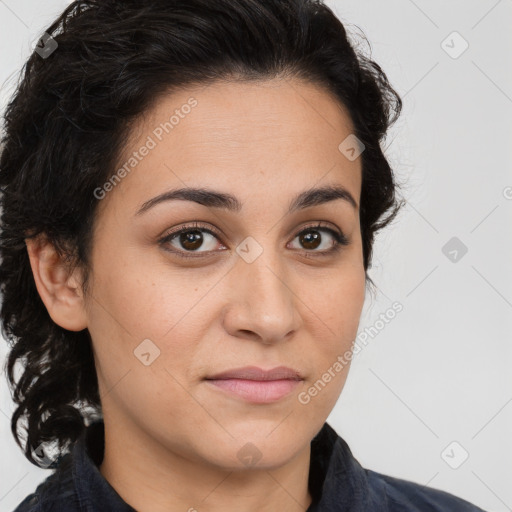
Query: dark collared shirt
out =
(337, 483)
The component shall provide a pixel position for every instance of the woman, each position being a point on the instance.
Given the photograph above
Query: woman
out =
(191, 191)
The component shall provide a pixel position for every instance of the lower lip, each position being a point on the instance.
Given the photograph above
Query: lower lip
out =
(257, 391)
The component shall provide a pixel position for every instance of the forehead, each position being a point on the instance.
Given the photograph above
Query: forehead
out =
(246, 136)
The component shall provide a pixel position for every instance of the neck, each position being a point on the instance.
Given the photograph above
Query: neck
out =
(153, 478)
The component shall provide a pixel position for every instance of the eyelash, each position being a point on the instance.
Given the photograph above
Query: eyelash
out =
(339, 238)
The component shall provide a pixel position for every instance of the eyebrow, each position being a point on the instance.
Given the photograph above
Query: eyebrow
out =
(215, 199)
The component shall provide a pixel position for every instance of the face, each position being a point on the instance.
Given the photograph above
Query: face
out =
(247, 282)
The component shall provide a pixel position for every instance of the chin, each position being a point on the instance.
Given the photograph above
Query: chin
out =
(256, 449)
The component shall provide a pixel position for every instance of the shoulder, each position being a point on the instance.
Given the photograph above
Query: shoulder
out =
(54, 494)
(404, 495)
(29, 504)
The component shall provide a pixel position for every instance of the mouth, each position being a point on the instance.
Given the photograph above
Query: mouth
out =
(256, 385)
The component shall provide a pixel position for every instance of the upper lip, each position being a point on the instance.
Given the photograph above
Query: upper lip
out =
(255, 373)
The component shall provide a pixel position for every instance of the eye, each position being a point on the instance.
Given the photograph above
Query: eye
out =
(311, 239)
(187, 241)
(190, 239)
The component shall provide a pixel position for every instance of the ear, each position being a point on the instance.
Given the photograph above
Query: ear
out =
(58, 287)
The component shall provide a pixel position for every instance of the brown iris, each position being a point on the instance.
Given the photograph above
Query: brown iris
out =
(191, 240)
(310, 239)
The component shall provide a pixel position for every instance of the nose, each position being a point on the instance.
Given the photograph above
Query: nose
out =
(262, 305)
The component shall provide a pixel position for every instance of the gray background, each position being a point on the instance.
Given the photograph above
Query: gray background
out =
(439, 372)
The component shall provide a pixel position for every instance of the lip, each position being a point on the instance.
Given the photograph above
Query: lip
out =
(257, 385)
(256, 373)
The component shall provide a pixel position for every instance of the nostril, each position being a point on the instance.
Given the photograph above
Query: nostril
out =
(248, 333)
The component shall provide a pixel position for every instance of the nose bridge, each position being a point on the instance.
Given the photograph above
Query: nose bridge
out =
(264, 300)
(266, 281)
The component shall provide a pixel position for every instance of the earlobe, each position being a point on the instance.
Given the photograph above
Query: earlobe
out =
(58, 287)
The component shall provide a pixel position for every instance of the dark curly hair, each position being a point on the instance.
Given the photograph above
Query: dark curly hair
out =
(70, 117)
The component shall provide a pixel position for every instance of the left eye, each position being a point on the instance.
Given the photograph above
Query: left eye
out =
(193, 238)
(310, 238)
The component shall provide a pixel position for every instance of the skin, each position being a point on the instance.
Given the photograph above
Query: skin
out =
(172, 438)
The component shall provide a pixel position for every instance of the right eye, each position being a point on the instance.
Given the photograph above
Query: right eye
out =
(187, 240)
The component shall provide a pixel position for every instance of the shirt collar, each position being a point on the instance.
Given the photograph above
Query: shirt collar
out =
(335, 476)
(94, 492)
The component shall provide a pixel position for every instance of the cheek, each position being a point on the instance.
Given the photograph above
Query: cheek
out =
(146, 328)
(144, 324)
(146, 296)
(337, 301)
(335, 312)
